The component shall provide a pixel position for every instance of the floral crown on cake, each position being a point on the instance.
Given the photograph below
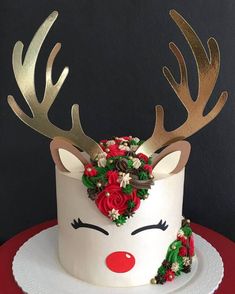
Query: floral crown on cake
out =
(120, 170)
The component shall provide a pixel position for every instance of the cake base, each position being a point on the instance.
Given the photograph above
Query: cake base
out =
(36, 269)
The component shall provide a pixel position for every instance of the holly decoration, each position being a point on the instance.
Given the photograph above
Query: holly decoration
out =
(179, 256)
(119, 178)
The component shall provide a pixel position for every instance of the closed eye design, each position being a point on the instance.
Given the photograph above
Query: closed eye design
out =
(162, 226)
(79, 224)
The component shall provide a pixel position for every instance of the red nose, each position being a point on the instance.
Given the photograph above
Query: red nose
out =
(120, 261)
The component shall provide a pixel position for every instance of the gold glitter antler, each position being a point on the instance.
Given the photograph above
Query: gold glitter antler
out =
(208, 69)
(24, 71)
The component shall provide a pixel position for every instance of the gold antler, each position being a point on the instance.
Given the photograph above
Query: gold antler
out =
(24, 71)
(208, 69)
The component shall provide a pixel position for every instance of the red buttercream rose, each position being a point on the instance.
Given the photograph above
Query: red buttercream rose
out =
(90, 171)
(143, 157)
(121, 139)
(113, 151)
(112, 177)
(191, 246)
(169, 275)
(148, 168)
(133, 197)
(183, 251)
(127, 138)
(113, 197)
(102, 144)
(118, 141)
(183, 239)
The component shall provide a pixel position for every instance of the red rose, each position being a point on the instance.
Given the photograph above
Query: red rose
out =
(121, 139)
(183, 239)
(191, 246)
(102, 144)
(143, 157)
(103, 147)
(148, 168)
(112, 177)
(128, 138)
(169, 275)
(90, 171)
(118, 141)
(113, 151)
(133, 197)
(113, 197)
(183, 251)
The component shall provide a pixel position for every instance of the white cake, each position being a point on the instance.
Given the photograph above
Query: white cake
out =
(119, 202)
(83, 252)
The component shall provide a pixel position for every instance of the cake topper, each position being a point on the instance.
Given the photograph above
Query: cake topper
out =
(207, 68)
(120, 171)
(24, 70)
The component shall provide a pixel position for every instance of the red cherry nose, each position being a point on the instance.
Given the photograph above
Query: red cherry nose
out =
(120, 261)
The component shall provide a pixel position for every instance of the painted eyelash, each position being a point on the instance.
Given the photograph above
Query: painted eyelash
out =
(79, 224)
(160, 225)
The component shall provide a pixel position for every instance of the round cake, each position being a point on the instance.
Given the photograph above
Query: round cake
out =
(103, 250)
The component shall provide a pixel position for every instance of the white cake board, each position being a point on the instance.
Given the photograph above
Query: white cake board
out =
(37, 271)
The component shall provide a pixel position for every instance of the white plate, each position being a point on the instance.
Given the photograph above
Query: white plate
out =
(37, 271)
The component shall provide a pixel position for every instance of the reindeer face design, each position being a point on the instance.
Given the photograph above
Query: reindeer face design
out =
(91, 246)
(90, 243)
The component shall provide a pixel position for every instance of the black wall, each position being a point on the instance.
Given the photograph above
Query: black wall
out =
(115, 51)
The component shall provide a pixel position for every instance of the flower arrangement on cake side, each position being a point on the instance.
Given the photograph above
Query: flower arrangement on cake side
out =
(118, 179)
(179, 256)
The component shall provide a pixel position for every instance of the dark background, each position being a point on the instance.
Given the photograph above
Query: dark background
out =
(115, 51)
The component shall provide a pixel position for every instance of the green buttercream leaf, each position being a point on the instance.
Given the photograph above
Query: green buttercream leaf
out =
(133, 142)
(121, 220)
(181, 266)
(150, 161)
(110, 165)
(100, 178)
(143, 175)
(142, 192)
(171, 255)
(180, 261)
(187, 231)
(127, 190)
(101, 175)
(130, 204)
(101, 170)
(88, 182)
(161, 270)
(129, 163)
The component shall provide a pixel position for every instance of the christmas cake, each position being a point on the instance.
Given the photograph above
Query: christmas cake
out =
(120, 200)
